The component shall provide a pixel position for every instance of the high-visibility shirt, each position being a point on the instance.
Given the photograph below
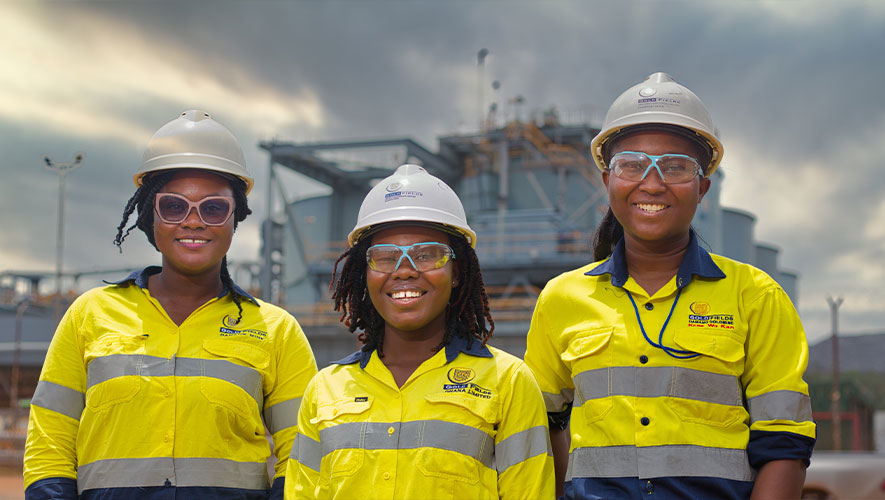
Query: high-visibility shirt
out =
(644, 423)
(131, 405)
(469, 423)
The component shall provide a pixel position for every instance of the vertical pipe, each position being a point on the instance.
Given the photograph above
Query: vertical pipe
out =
(16, 354)
(59, 244)
(836, 396)
(267, 233)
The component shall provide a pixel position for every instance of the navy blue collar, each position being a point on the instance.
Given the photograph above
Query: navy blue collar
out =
(140, 278)
(456, 346)
(697, 261)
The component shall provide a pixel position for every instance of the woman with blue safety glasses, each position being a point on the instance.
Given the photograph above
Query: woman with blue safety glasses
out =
(667, 371)
(425, 409)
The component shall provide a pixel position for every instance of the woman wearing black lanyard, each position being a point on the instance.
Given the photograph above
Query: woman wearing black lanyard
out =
(678, 372)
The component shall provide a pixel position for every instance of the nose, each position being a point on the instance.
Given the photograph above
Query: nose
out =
(404, 268)
(653, 181)
(193, 219)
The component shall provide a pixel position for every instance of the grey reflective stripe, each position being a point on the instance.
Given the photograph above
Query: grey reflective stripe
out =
(408, 435)
(181, 472)
(657, 381)
(780, 405)
(521, 446)
(557, 402)
(119, 365)
(59, 398)
(282, 415)
(660, 461)
(307, 452)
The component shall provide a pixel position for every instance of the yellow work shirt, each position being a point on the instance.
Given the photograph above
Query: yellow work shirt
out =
(731, 401)
(469, 423)
(129, 400)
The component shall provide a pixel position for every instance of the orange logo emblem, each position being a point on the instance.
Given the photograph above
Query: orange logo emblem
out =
(700, 308)
(461, 375)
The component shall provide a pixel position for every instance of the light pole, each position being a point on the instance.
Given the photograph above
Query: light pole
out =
(62, 169)
(835, 406)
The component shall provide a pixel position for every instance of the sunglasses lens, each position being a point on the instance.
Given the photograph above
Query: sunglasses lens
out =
(215, 211)
(172, 208)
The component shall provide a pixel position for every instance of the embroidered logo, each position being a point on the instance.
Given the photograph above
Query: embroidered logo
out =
(360, 399)
(702, 318)
(227, 329)
(461, 375)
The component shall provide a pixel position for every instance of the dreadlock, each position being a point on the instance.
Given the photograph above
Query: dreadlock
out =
(608, 234)
(467, 314)
(142, 201)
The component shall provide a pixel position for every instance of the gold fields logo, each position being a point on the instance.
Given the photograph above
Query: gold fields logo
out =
(461, 375)
(460, 379)
(700, 317)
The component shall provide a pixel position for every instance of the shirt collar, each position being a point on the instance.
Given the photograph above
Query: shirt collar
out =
(140, 278)
(696, 261)
(456, 346)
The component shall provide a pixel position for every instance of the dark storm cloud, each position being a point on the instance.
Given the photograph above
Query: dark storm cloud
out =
(792, 87)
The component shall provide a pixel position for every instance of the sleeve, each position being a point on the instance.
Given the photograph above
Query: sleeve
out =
(543, 359)
(781, 425)
(50, 459)
(303, 468)
(295, 367)
(523, 454)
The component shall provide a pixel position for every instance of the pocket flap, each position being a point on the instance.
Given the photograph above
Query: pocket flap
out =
(486, 409)
(710, 344)
(349, 406)
(588, 342)
(247, 353)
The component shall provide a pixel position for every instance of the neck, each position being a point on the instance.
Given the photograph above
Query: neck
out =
(653, 263)
(170, 282)
(404, 351)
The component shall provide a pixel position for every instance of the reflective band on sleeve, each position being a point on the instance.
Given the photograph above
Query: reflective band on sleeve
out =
(282, 415)
(307, 452)
(58, 398)
(450, 436)
(660, 461)
(181, 472)
(780, 405)
(556, 402)
(120, 365)
(520, 447)
(657, 381)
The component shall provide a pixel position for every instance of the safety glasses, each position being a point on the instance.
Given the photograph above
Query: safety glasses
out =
(212, 210)
(424, 256)
(635, 166)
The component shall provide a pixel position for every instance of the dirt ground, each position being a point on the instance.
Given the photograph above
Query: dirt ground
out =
(11, 484)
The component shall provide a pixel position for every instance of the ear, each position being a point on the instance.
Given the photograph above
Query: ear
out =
(605, 176)
(703, 187)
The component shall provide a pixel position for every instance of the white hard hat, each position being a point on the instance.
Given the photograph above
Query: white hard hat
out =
(412, 195)
(659, 100)
(194, 140)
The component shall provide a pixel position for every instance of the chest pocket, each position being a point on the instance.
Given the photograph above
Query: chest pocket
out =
(344, 434)
(229, 362)
(710, 392)
(113, 372)
(589, 354)
(458, 437)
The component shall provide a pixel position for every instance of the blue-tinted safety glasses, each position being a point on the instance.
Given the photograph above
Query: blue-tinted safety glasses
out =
(424, 256)
(635, 166)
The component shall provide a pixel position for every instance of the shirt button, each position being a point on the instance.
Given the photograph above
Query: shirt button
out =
(391, 430)
(335, 412)
(644, 421)
(643, 359)
(649, 306)
(386, 476)
(167, 393)
(649, 487)
(166, 438)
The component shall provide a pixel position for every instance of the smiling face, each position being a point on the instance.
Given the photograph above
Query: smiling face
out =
(190, 247)
(411, 301)
(650, 210)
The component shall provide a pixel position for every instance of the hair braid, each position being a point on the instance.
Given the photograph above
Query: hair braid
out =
(229, 286)
(608, 234)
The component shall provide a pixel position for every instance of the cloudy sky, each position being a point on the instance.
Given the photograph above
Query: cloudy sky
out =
(793, 85)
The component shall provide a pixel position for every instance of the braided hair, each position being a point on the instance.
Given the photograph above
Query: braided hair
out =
(467, 314)
(142, 201)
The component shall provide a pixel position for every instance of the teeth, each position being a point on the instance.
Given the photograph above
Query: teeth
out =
(405, 294)
(191, 241)
(647, 207)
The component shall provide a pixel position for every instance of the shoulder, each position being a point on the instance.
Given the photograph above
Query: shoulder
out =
(508, 365)
(569, 282)
(751, 281)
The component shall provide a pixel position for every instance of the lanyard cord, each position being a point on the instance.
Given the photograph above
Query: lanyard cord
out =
(676, 353)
